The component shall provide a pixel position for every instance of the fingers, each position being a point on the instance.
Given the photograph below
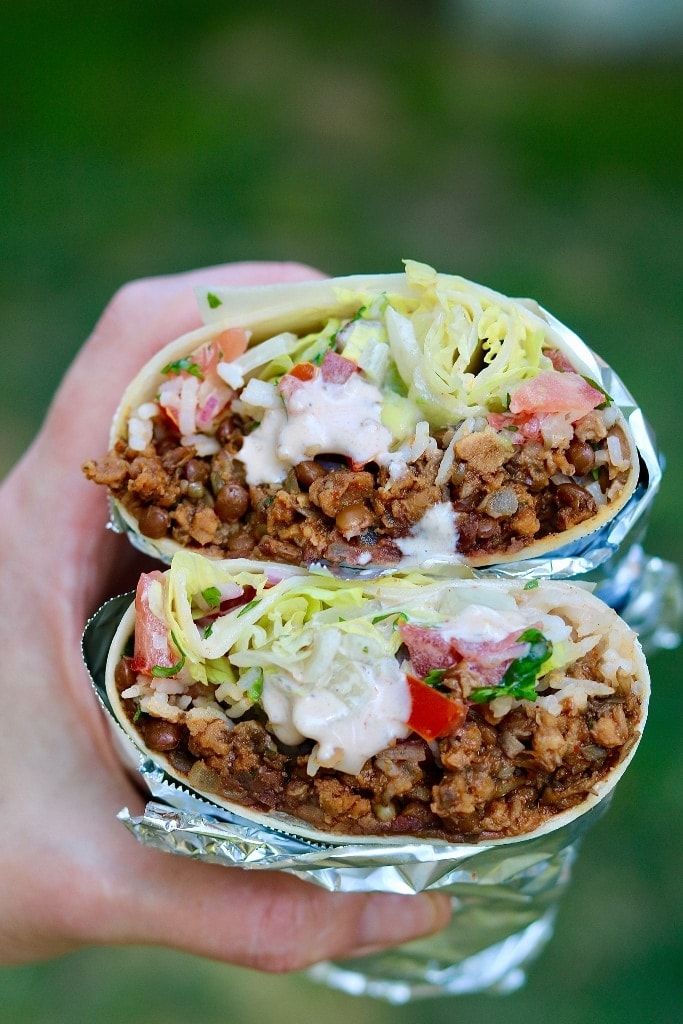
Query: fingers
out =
(141, 318)
(268, 921)
(145, 315)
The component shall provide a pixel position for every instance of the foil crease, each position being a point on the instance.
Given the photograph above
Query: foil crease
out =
(590, 557)
(504, 897)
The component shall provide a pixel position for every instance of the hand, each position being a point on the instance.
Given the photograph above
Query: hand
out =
(69, 872)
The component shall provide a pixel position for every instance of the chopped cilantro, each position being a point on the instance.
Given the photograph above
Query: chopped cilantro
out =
(213, 300)
(248, 606)
(531, 585)
(161, 671)
(434, 676)
(212, 596)
(138, 713)
(208, 631)
(184, 365)
(507, 401)
(594, 384)
(256, 689)
(519, 680)
(595, 473)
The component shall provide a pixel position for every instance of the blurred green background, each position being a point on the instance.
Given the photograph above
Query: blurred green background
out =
(541, 155)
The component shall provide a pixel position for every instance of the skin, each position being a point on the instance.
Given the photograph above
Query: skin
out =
(71, 874)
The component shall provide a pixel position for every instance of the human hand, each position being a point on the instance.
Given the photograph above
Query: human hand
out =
(70, 874)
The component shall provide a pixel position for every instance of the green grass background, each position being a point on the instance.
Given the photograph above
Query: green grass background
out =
(144, 138)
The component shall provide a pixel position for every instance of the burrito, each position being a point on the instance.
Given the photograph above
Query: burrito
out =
(400, 420)
(458, 709)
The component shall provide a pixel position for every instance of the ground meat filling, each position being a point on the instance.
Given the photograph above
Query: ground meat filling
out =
(489, 780)
(505, 495)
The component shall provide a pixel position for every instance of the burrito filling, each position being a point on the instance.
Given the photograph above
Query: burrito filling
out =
(442, 427)
(400, 706)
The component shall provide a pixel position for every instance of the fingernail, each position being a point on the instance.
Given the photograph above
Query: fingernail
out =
(391, 920)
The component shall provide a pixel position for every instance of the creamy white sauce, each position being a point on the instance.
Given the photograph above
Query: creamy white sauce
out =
(480, 624)
(433, 539)
(259, 450)
(347, 733)
(343, 419)
(320, 417)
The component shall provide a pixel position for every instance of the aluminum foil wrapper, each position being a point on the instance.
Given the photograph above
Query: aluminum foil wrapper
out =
(504, 897)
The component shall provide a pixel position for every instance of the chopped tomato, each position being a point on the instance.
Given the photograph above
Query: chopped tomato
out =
(433, 714)
(229, 345)
(152, 646)
(554, 392)
(303, 371)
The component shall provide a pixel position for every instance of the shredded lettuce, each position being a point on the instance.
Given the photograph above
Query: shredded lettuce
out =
(462, 349)
(566, 652)
(317, 631)
(319, 621)
(445, 351)
(309, 349)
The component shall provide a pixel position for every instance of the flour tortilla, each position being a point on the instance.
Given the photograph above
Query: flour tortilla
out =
(576, 604)
(305, 306)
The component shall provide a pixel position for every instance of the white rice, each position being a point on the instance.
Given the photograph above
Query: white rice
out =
(188, 405)
(140, 433)
(203, 444)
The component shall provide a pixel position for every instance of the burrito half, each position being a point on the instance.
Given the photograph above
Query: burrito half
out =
(401, 420)
(458, 709)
